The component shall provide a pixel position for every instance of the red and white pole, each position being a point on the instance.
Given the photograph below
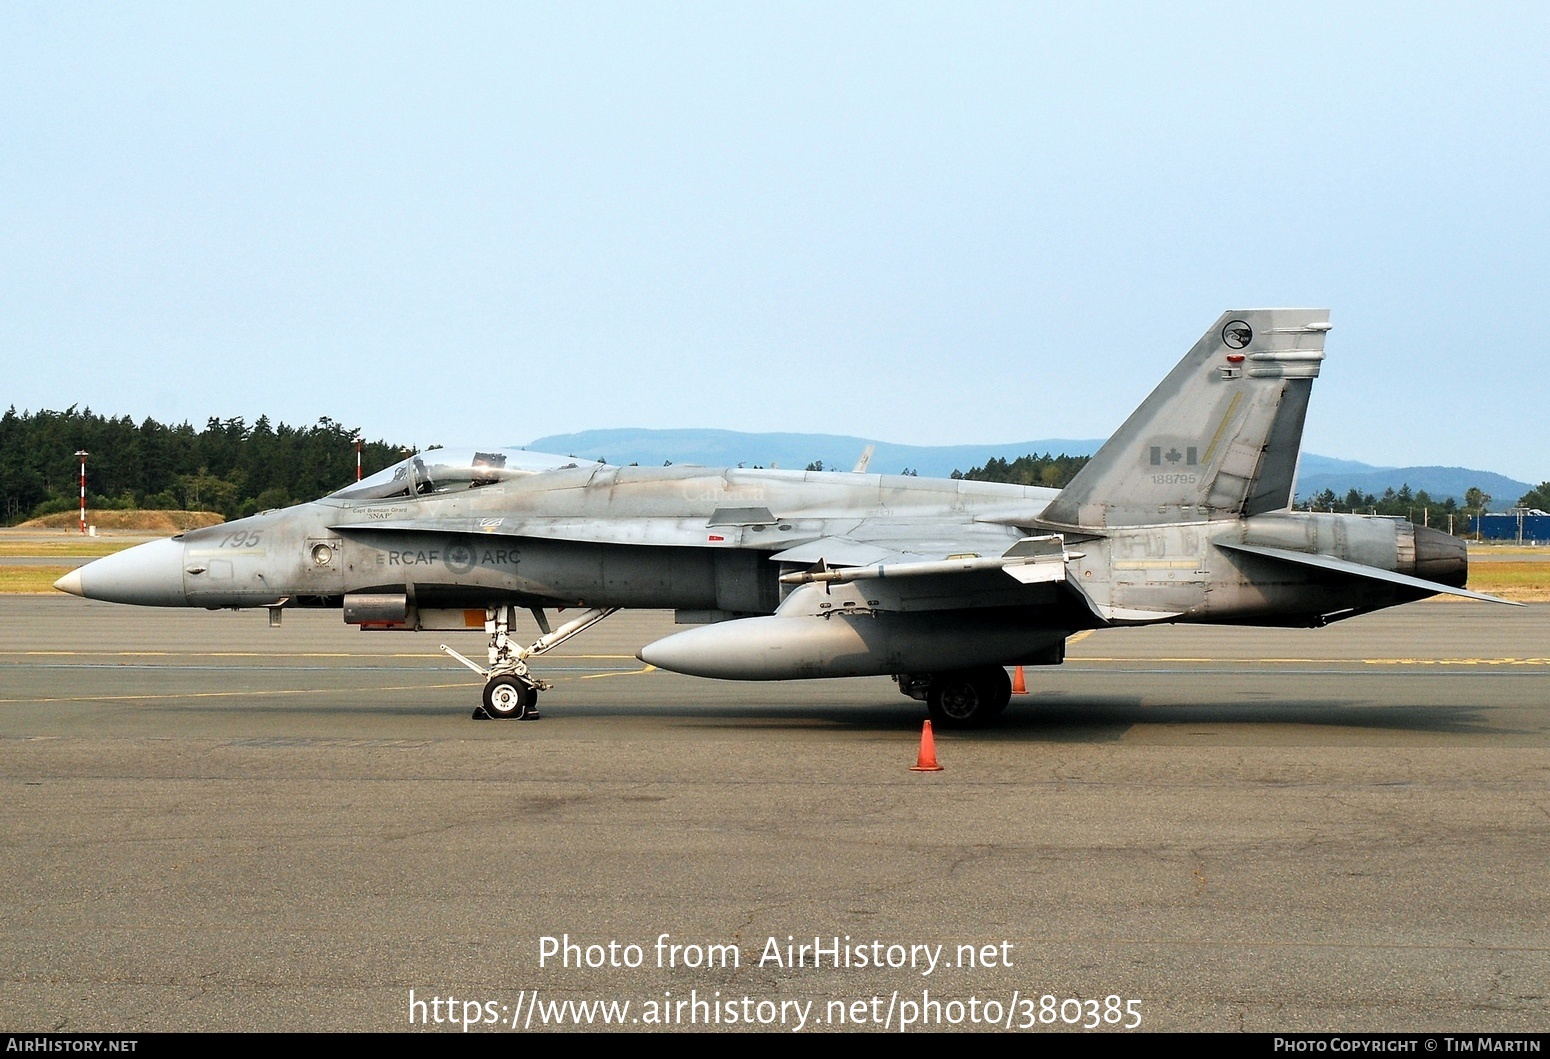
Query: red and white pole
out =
(83, 454)
(357, 457)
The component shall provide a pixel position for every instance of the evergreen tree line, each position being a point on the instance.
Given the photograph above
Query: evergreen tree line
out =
(1537, 497)
(237, 469)
(1046, 470)
(1419, 507)
(228, 466)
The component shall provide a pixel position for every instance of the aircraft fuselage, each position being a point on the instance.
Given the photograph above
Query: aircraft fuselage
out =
(674, 557)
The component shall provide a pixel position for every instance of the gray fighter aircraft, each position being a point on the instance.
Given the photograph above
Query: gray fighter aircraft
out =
(1183, 516)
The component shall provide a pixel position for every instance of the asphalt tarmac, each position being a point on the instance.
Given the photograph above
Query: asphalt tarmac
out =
(210, 824)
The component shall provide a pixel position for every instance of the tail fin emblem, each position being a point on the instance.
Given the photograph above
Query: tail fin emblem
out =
(1237, 334)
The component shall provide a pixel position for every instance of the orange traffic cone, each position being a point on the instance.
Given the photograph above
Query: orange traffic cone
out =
(926, 762)
(1019, 685)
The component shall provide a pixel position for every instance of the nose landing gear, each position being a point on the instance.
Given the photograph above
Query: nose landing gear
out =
(510, 689)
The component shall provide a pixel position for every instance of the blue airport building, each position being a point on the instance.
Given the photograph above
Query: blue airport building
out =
(1529, 525)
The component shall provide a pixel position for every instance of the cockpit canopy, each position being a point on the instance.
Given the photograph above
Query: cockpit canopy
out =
(438, 471)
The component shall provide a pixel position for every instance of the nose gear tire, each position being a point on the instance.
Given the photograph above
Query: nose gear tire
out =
(506, 698)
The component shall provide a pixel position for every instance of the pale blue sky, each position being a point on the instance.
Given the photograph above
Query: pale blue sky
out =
(930, 224)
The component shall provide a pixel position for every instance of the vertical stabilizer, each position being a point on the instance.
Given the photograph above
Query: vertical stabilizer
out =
(1217, 439)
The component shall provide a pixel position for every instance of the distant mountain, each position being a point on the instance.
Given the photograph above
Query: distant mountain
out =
(728, 448)
(1312, 464)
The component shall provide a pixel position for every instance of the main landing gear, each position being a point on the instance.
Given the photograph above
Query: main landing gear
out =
(510, 689)
(961, 698)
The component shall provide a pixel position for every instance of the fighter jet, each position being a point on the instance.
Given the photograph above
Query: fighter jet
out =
(1182, 516)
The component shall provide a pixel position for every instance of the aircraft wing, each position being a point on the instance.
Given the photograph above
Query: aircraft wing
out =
(1330, 564)
(870, 541)
(951, 566)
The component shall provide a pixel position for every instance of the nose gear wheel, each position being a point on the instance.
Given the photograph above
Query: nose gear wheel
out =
(511, 690)
(506, 697)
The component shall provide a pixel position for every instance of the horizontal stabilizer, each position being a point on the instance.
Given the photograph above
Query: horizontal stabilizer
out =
(1330, 564)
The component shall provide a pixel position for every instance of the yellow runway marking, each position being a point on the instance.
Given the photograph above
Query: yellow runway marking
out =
(1178, 659)
(198, 654)
(236, 694)
(1174, 659)
(257, 654)
(1456, 661)
(627, 673)
(1330, 661)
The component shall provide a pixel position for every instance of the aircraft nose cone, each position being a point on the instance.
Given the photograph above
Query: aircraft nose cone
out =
(1441, 557)
(150, 575)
